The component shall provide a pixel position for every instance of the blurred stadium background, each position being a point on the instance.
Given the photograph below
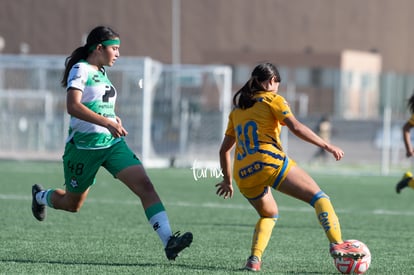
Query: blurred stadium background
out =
(179, 69)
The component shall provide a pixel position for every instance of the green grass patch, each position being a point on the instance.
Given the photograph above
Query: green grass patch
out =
(110, 235)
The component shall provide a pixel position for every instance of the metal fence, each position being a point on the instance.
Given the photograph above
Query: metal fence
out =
(172, 113)
(177, 114)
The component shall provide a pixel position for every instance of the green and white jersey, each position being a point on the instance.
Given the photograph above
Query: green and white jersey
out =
(99, 95)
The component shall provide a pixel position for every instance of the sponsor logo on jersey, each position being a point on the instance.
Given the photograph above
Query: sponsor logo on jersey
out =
(74, 78)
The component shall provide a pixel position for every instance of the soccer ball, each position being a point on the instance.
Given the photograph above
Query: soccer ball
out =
(347, 265)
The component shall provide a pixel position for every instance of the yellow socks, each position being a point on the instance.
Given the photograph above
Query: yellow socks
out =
(411, 183)
(261, 236)
(327, 217)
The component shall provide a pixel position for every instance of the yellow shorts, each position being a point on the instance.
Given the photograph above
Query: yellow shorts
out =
(254, 179)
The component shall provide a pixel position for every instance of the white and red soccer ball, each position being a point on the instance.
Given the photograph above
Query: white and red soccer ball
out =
(347, 265)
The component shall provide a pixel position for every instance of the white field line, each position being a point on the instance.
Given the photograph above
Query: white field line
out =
(228, 205)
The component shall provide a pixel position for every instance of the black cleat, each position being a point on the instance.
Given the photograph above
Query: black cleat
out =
(38, 210)
(403, 182)
(177, 243)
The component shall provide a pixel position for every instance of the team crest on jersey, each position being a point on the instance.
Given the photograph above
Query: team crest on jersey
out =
(96, 78)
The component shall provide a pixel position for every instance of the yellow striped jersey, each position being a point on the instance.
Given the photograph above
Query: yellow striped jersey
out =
(258, 155)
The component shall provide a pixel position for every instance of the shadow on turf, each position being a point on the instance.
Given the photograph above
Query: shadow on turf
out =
(192, 267)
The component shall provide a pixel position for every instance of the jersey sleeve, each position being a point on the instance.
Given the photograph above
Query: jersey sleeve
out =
(280, 108)
(411, 120)
(78, 77)
(230, 127)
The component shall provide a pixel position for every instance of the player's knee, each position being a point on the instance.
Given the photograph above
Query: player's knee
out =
(269, 214)
(268, 211)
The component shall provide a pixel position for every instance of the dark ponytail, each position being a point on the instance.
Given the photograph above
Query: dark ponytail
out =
(95, 37)
(77, 55)
(244, 98)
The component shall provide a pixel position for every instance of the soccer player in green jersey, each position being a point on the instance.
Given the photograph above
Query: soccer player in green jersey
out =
(261, 164)
(96, 138)
(407, 179)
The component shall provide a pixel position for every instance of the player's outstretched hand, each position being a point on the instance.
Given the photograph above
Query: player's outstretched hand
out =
(337, 152)
(224, 189)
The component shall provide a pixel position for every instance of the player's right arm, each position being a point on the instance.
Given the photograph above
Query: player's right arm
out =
(225, 188)
(77, 109)
(407, 138)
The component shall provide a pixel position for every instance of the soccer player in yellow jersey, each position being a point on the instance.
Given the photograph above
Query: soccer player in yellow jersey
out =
(407, 180)
(260, 164)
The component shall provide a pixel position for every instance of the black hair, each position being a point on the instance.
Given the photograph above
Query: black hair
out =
(96, 36)
(244, 98)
